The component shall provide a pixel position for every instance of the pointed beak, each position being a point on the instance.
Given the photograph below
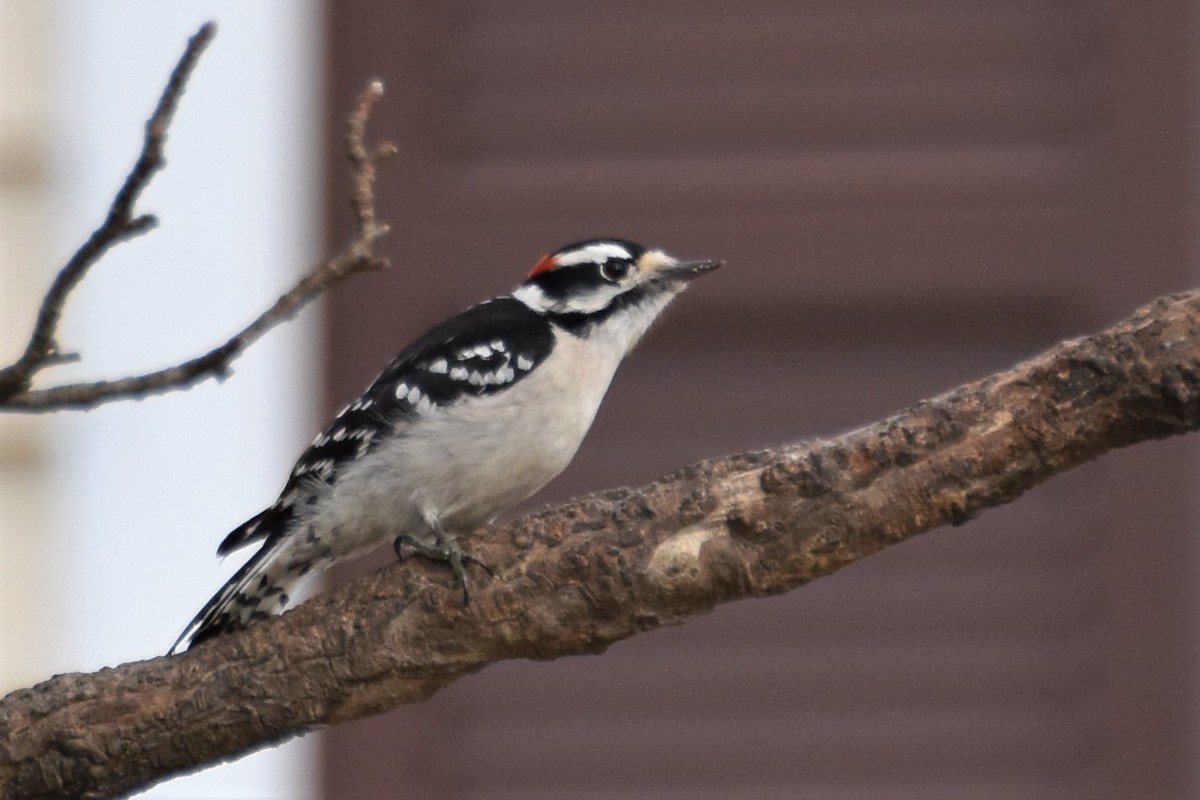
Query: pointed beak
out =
(688, 270)
(655, 265)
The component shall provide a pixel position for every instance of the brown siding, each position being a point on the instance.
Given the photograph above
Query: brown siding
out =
(908, 195)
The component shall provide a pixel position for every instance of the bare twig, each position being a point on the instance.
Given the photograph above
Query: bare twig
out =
(364, 160)
(577, 578)
(357, 256)
(119, 225)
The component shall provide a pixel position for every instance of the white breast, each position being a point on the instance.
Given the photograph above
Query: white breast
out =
(479, 458)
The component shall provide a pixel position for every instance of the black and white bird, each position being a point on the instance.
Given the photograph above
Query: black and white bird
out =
(466, 422)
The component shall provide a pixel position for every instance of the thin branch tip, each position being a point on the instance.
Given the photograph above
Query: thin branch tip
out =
(143, 223)
(202, 37)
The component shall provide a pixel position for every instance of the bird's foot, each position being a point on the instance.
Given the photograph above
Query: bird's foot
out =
(446, 550)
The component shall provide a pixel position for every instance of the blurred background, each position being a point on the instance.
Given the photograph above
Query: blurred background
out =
(908, 196)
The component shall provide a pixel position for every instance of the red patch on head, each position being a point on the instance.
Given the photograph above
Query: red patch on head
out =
(544, 263)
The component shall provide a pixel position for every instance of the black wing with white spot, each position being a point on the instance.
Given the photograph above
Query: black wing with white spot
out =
(481, 351)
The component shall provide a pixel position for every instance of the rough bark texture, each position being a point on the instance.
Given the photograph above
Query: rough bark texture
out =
(577, 578)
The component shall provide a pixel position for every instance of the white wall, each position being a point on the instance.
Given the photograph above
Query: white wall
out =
(144, 491)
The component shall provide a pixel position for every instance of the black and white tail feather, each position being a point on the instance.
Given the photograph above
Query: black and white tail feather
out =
(238, 603)
(470, 419)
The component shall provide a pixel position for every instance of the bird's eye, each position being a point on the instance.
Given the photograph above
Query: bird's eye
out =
(614, 269)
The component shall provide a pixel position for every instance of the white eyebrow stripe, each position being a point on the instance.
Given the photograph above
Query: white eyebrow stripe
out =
(593, 254)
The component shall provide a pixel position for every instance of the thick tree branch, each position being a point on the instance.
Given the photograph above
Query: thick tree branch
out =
(577, 578)
(120, 225)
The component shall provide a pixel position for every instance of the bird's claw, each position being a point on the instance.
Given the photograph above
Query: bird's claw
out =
(448, 551)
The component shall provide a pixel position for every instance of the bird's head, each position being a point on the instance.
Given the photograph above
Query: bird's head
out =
(590, 280)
